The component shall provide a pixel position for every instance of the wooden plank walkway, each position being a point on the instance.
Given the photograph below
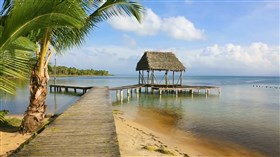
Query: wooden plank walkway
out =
(135, 86)
(85, 129)
(58, 87)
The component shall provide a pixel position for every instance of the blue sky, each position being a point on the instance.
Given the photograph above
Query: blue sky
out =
(209, 37)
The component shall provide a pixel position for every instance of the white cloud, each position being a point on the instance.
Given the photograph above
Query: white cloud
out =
(229, 59)
(150, 25)
(255, 59)
(176, 27)
(181, 28)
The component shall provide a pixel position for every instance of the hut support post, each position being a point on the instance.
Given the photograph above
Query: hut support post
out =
(181, 78)
(139, 77)
(153, 77)
(143, 77)
(173, 77)
(148, 77)
(166, 78)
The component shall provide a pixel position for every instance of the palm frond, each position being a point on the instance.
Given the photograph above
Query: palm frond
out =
(98, 11)
(27, 18)
(33, 15)
(13, 64)
(6, 7)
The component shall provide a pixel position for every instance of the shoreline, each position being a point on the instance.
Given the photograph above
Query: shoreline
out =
(136, 134)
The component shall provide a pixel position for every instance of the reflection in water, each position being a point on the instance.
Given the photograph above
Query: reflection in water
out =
(17, 104)
(231, 117)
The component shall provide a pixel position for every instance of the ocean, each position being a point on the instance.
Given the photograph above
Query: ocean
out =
(246, 112)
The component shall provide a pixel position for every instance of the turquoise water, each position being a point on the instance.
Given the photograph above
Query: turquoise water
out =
(246, 113)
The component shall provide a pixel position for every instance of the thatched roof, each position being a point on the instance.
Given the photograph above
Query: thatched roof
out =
(160, 61)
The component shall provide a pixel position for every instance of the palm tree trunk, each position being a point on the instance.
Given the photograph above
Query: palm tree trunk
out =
(35, 113)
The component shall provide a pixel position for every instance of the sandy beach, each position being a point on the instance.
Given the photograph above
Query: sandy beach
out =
(135, 136)
(10, 138)
(10, 141)
(141, 138)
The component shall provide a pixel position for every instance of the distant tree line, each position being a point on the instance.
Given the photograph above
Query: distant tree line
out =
(63, 70)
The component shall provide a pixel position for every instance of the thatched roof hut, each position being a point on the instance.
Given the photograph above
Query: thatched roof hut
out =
(160, 61)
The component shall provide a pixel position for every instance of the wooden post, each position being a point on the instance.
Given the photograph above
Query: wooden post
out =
(173, 77)
(142, 76)
(148, 77)
(139, 77)
(166, 78)
(117, 95)
(128, 92)
(121, 95)
(181, 78)
(137, 90)
(153, 77)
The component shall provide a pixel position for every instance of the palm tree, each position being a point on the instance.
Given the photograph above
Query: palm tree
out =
(64, 24)
(21, 23)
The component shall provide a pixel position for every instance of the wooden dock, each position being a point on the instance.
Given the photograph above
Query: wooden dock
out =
(85, 129)
(129, 90)
(59, 87)
(160, 89)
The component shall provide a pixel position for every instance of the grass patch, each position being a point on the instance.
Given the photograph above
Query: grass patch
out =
(10, 124)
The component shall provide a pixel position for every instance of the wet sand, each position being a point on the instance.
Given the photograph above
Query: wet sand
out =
(153, 129)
